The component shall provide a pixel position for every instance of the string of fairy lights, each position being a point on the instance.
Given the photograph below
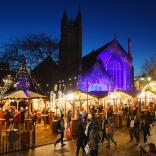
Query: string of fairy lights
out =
(24, 79)
(7, 83)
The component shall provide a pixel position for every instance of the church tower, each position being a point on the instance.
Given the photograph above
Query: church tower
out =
(70, 51)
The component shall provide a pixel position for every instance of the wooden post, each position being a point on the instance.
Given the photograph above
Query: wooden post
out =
(17, 105)
(106, 109)
(28, 108)
(1, 120)
(80, 104)
(65, 111)
(73, 109)
(45, 102)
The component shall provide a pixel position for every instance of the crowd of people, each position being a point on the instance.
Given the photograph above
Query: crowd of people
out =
(13, 118)
(90, 135)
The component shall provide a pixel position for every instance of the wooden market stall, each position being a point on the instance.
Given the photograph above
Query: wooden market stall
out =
(23, 95)
(148, 93)
(78, 102)
(146, 98)
(117, 98)
(24, 100)
(116, 101)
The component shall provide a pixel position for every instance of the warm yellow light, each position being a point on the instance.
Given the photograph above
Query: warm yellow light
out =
(11, 100)
(70, 96)
(149, 78)
(142, 94)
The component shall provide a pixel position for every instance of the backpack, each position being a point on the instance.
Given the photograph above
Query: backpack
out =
(58, 126)
(109, 130)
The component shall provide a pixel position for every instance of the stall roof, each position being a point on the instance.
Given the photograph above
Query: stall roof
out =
(99, 94)
(20, 94)
(90, 96)
(102, 94)
(151, 87)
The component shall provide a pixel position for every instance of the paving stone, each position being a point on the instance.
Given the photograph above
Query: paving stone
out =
(124, 147)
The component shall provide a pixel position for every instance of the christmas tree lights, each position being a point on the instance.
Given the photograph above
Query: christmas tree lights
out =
(23, 76)
(24, 79)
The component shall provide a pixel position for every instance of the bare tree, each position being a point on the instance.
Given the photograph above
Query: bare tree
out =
(35, 48)
(148, 66)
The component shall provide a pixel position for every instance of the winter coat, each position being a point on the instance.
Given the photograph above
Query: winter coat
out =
(94, 139)
(81, 134)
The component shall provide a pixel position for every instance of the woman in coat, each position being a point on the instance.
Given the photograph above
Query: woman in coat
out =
(94, 139)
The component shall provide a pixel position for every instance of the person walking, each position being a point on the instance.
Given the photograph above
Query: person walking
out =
(104, 136)
(137, 126)
(88, 128)
(69, 116)
(61, 128)
(145, 129)
(110, 133)
(131, 128)
(94, 139)
(80, 137)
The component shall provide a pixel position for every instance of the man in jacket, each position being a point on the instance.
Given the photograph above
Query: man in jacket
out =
(80, 137)
(61, 128)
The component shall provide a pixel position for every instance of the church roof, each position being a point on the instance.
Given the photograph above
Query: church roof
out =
(89, 59)
(46, 71)
(21, 94)
(48, 63)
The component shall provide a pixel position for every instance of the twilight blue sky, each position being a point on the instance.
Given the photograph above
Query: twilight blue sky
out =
(101, 20)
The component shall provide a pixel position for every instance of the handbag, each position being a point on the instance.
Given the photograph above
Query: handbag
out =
(87, 149)
(108, 130)
(68, 133)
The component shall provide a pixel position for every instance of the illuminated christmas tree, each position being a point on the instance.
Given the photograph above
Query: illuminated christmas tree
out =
(23, 76)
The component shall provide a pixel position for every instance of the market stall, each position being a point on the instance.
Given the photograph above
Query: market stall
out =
(31, 98)
(148, 93)
(114, 102)
(25, 106)
(76, 101)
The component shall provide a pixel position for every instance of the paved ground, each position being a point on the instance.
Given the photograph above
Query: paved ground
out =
(124, 147)
(44, 135)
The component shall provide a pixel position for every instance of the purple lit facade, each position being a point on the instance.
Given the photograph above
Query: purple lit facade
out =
(106, 69)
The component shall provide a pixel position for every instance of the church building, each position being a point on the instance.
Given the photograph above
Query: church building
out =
(70, 51)
(105, 69)
(108, 68)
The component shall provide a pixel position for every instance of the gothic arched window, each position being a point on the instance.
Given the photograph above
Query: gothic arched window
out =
(115, 70)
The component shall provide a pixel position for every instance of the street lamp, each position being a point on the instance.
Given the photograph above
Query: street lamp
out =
(70, 96)
(149, 78)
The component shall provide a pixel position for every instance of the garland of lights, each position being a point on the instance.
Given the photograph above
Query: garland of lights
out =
(8, 82)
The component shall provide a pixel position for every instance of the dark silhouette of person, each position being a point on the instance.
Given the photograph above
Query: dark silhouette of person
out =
(61, 128)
